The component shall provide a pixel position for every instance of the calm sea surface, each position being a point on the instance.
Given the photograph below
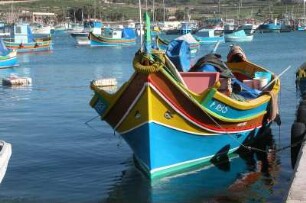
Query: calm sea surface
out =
(58, 158)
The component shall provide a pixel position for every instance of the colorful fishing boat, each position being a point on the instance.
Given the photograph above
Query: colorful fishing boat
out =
(113, 37)
(176, 120)
(23, 40)
(238, 36)
(8, 57)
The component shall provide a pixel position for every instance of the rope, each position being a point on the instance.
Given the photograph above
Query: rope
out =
(139, 67)
(291, 145)
(250, 147)
(91, 119)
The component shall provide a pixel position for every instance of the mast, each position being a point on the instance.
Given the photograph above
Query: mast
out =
(147, 36)
(140, 21)
(153, 17)
(304, 8)
(74, 18)
(164, 11)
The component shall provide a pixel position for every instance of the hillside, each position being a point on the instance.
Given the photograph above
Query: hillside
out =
(117, 10)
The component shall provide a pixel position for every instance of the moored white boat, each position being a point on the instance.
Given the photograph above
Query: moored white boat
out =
(238, 36)
(208, 36)
(5, 155)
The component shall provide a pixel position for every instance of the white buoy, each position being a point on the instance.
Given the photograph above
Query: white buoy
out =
(14, 80)
(105, 82)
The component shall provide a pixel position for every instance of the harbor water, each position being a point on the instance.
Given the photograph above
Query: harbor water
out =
(62, 152)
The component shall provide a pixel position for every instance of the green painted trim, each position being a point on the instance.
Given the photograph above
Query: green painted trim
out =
(179, 168)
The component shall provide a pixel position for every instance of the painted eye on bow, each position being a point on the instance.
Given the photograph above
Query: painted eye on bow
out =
(168, 115)
(137, 115)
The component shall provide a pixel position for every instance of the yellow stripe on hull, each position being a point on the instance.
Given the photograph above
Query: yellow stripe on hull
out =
(152, 108)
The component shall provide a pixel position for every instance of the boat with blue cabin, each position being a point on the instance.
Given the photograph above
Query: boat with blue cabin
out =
(23, 40)
(187, 27)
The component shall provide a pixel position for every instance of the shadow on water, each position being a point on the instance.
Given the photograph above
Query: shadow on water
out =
(247, 175)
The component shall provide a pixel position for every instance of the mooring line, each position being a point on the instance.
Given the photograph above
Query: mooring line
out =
(91, 119)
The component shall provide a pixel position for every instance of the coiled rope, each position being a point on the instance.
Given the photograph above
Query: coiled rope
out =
(143, 64)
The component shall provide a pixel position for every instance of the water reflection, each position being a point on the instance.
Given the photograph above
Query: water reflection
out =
(246, 176)
(25, 58)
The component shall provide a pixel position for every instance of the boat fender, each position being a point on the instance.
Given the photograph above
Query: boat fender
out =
(302, 102)
(297, 134)
(151, 68)
(303, 95)
(301, 114)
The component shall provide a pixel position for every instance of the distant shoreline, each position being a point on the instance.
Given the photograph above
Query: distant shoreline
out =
(12, 2)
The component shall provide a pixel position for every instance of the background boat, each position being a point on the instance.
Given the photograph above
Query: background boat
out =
(114, 37)
(269, 26)
(82, 37)
(238, 36)
(208, 36)
(163, 41)
(23, 40)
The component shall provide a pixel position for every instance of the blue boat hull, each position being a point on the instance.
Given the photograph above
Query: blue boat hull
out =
(271, 27)
(95, 43)
(165, 150)
(210, 40)
(8, 62)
